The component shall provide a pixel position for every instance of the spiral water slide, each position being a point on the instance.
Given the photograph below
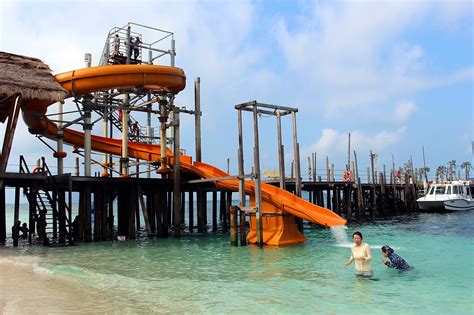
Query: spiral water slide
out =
(279, 206)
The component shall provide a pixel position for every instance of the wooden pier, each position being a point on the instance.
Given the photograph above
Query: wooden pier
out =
(107, 208)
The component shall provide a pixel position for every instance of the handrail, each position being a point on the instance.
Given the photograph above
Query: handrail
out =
(23, 162)
(39, 201)
(51, 177)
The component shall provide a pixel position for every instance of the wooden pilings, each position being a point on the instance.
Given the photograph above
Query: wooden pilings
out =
(356, 200)
(110, 207)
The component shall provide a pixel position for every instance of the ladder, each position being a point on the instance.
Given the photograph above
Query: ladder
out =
(46, 215)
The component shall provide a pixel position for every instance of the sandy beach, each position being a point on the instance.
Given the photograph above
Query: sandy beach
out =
(30, 289)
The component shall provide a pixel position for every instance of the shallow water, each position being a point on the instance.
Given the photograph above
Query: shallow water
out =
(204, 274)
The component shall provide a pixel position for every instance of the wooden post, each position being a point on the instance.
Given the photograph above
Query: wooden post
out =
(374, 196)
(317, 200)
(132, 209)
(16, 217)
(348, 152)
(197, 117)
(183, 206)
(223, 209)
(382, 192)
(313, 155)
(281, 153)
(384, 175)
(79, 232)
(31, 214)
(159, 205)
(328, 199)
(122, 213)
(177, 175)
(165, 213)
(243, 229)
(413, 204)
(136, 200)
(360, 204)
(168, 211)
(296, 149)
(202, 211)
(103, 218)
(242, 200)
(327, 169)
(353, 177)
(310, 172)
(88, 218)
(233, 226)
(111, 219)
(3, 217)
(225, 218)
(214, 210)
(299, 221)
(12, 114)
(258, 191)
(191, 211)
(347, 200)
(405, 192)
(150, 206)
(395, 197)
(77, 166)
(335, 200)
(144, 211)
(97, 214)
(200, 205)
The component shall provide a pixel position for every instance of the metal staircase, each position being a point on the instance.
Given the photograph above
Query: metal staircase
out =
(46, 215)
(136, 131)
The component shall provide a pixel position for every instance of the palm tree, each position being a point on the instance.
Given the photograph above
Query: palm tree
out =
(452, 169)
(441, 172)
(424, 172)
(466, 167)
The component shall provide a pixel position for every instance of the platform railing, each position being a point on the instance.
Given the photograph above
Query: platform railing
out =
(153, 45)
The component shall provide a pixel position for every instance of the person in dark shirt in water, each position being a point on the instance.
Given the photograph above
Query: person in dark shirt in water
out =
(393, 261)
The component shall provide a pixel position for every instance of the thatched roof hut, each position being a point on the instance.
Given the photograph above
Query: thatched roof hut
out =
(28, 77)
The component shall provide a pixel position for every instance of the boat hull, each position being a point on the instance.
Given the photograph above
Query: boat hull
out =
(459, 205)
(431, 205)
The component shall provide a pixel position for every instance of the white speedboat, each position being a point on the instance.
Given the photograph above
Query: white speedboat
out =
(447, 196)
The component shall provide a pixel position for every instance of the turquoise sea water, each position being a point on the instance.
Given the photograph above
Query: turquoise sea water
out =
(204, 274)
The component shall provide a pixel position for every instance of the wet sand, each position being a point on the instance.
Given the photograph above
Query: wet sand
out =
(25, 289)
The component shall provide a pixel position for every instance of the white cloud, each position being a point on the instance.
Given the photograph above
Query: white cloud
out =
(334, 143)
(352, 52)
(403, 111)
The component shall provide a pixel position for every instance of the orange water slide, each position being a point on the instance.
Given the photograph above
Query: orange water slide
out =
(279, 205)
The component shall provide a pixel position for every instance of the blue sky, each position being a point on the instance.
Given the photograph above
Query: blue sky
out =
(398, 75)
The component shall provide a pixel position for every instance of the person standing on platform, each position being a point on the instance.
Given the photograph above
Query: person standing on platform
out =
(116, 45)
(136, 48)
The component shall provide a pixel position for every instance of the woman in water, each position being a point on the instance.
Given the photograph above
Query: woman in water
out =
(393, 261)
(361, 255)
